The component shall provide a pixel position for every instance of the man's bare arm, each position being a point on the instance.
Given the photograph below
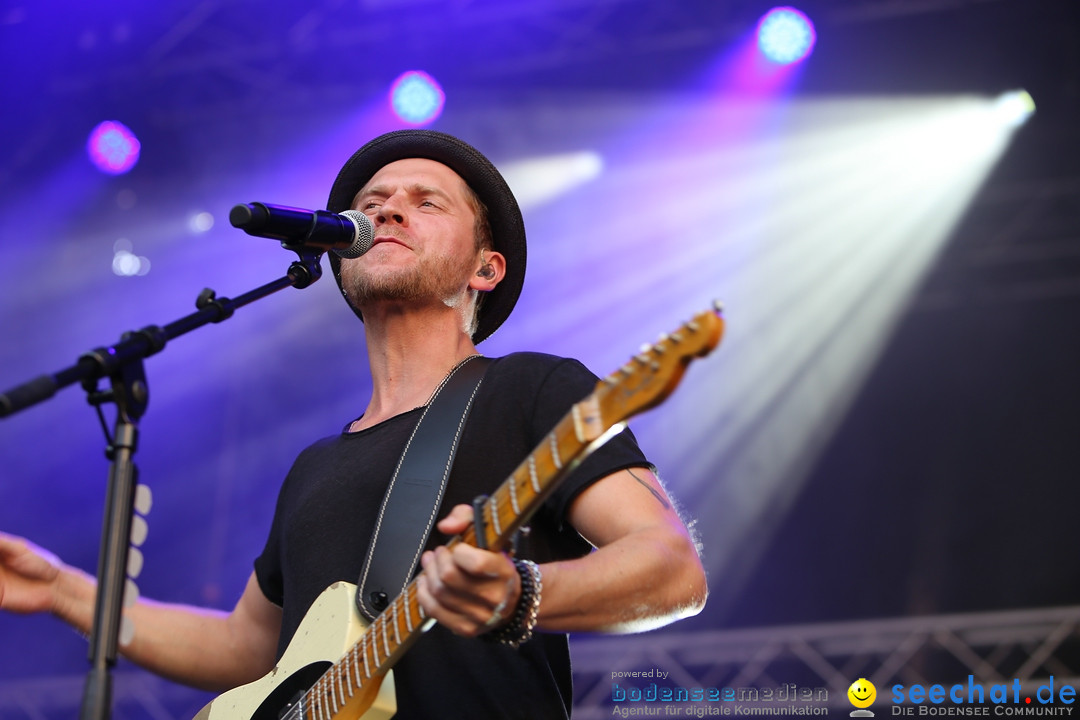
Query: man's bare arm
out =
(645, 571)
(204, 648)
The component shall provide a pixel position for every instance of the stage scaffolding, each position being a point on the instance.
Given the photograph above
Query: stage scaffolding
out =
(997, 647)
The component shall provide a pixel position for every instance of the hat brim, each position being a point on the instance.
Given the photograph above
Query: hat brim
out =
(507, 224)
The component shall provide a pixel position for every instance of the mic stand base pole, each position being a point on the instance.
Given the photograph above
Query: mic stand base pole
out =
(131, 395)
(123, 365)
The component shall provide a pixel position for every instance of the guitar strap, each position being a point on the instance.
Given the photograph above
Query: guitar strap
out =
(412, 500)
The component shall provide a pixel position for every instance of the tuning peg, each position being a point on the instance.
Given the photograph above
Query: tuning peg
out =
(131, 593)
(139, 530)
(135, 562)
(127, 630)
(144, 499)
(127, 625)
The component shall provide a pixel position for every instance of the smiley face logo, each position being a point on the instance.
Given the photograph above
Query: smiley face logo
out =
(862, 693)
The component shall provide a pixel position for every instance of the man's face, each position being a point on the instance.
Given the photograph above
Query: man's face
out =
(424, 248)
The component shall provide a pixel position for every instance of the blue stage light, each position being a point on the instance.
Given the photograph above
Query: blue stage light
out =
(113, 148)
(786, 35)
(417, 98)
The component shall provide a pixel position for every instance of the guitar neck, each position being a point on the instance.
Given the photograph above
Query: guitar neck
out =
(509, 508)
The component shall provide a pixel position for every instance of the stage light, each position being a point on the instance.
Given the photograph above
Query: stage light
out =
(840, 210)
(200, 222)
(125, 262)
(786, 35)
(1014, 108)
(113, 148)
(539, 180)
(417, 98)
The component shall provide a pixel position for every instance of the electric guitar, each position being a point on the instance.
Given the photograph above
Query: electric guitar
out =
(338, 668)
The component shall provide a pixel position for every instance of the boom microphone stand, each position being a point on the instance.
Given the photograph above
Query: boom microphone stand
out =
(122, 364)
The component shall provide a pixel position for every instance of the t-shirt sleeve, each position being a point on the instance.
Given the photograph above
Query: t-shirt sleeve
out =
(268, 565)
(569, 382)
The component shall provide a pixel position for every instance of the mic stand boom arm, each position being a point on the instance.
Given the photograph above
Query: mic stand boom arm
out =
(122, 364)
(104, 362)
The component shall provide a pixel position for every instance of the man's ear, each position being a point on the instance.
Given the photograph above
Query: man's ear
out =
(488, 273)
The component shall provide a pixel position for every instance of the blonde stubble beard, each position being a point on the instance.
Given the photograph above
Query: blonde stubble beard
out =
(432, 277)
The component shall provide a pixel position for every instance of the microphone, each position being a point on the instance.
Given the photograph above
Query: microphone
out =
(348, 234)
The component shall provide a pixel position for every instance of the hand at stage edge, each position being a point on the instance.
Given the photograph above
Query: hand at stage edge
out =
(28, 576)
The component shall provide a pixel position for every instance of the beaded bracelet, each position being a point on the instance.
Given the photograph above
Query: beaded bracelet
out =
(520, 627)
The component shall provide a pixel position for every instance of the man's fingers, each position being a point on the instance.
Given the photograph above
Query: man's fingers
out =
(462, 587)
(477, 562)
(23, 557)
(459, 518)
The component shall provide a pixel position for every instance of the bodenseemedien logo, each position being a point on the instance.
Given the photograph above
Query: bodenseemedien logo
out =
(861, 694)
(659, 698)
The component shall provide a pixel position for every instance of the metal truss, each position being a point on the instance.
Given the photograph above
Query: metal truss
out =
(136, 695)
(996, 647)
(209, 60)
(217, 61)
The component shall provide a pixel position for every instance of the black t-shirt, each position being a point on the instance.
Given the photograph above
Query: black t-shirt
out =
(330, 499)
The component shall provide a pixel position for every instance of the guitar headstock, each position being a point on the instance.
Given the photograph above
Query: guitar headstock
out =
(654, 373)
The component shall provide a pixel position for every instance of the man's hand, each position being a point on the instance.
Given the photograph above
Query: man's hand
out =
(28, 576)
(470, 591)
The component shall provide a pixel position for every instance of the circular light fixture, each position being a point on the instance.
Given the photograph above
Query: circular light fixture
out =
(113, 148)
(786, 35)
(417, 98)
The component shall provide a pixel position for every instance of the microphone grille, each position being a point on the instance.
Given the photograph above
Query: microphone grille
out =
(365, 235)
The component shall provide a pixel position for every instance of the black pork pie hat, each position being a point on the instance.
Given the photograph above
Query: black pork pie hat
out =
(507, 225)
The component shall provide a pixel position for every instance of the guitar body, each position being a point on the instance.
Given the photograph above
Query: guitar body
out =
(329, 629)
